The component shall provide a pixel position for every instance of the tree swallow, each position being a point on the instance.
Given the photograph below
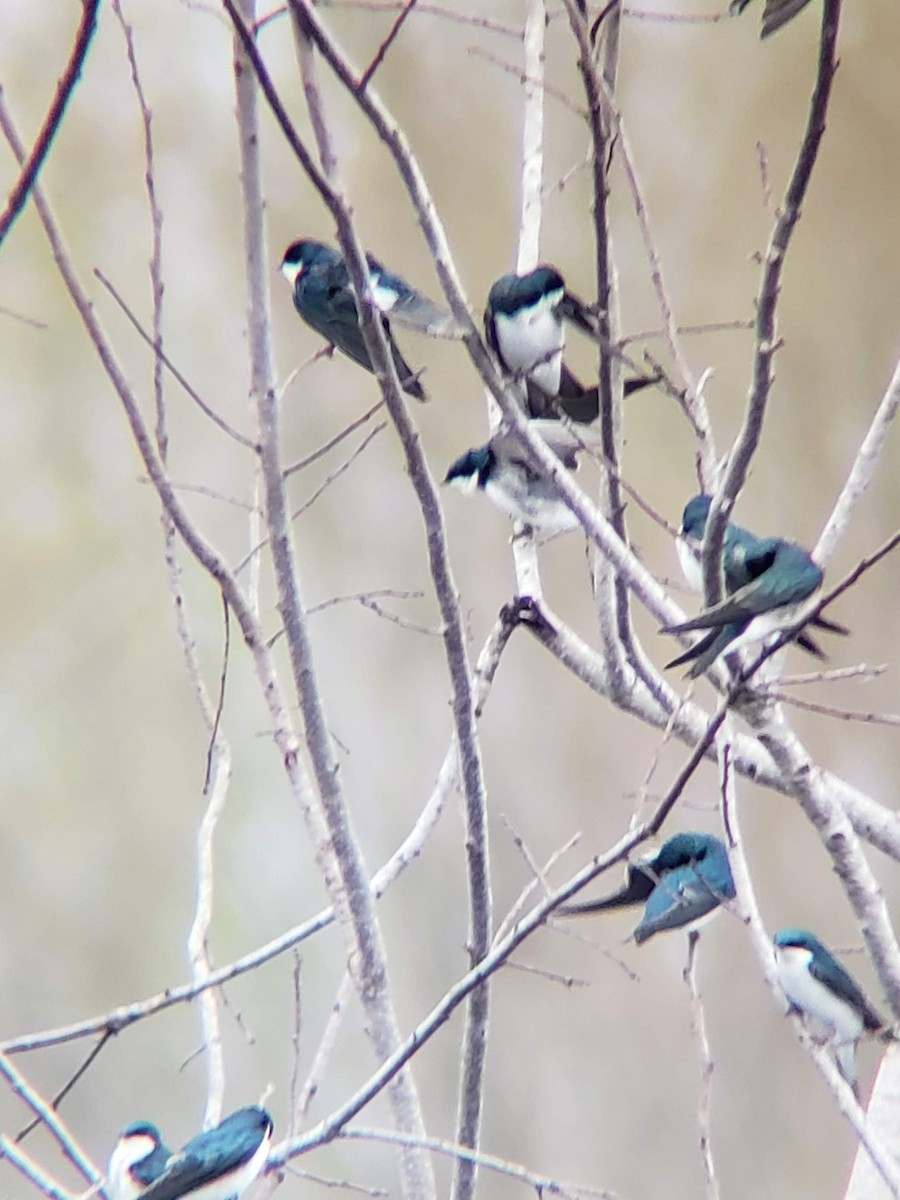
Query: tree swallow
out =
(323, 296)
(767, 581)
(682, 884)
(524, 326)
(817, 985)
(138, 1157)
(502, 470)
(775, 14)
(219, 1164)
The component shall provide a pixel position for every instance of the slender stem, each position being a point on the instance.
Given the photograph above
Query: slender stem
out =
(767, 342)
(50, 1119)
(31, 166)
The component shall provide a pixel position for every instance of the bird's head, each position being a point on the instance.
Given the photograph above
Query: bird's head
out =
(302, 254)
(471, 469)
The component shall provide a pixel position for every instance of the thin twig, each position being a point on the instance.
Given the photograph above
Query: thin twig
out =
(44, 1111)
(218, 421)
(839, 714)
(327, 1043)
(332, 442)
(67, 1086)
(862, 470)
(541, 1184)
(698, 1028)
(26, 1166)
(767, 342)
(382, 50)
(31, 166)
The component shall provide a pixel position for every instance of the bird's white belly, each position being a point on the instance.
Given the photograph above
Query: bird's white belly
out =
(808, 994)
(766, 624)
(548, 515)
(531, 344)
(689, 559)
(120, 1184)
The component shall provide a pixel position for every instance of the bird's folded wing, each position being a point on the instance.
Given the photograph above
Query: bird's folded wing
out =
(409, 307)
(578, 314)
(845, 987)
(680, 899)
(753, 599)
(185, 1173)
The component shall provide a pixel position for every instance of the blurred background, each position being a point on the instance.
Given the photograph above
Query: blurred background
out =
(101, 746)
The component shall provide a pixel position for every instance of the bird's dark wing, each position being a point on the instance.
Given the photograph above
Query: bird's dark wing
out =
(325, 300)
(563, 441)
(844, 986)
(777, 590)
(185, 1173)
(680, 898)
(775, 14)
(212, 1155)
(705, 652)
(409, 307)
(639, 883)
(638, 382)
(490, 335)
(578, 314)
(579, 403)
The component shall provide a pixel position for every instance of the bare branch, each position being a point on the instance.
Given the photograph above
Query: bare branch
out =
(41, 1109)
(26, 1166)
(748, 910)
(31, 166)
(160, 355)
(861, 472)
(541, 1184)
(698, 1028)
(767, 342)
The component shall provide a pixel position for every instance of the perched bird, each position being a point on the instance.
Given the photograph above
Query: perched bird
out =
(323, 296)
(219, 1164)
(683, 883)
(741, 552)
(138, 1157)
(767, 580)
(502, 470)
(775, 14)
(524, 326)
(817, 985)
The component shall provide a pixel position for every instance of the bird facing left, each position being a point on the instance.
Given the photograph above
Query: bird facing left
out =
(324, 298)
(219, 1164)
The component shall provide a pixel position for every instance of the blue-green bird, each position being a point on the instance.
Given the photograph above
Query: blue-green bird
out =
(680, 885)
(138, 1158)
(817, 985)
(219, 1164)
(324, 298)
(767, 581)
(525, 325)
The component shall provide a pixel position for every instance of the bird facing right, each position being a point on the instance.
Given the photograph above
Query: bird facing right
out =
(219, 1164)
(680, 885)
(768, 583)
